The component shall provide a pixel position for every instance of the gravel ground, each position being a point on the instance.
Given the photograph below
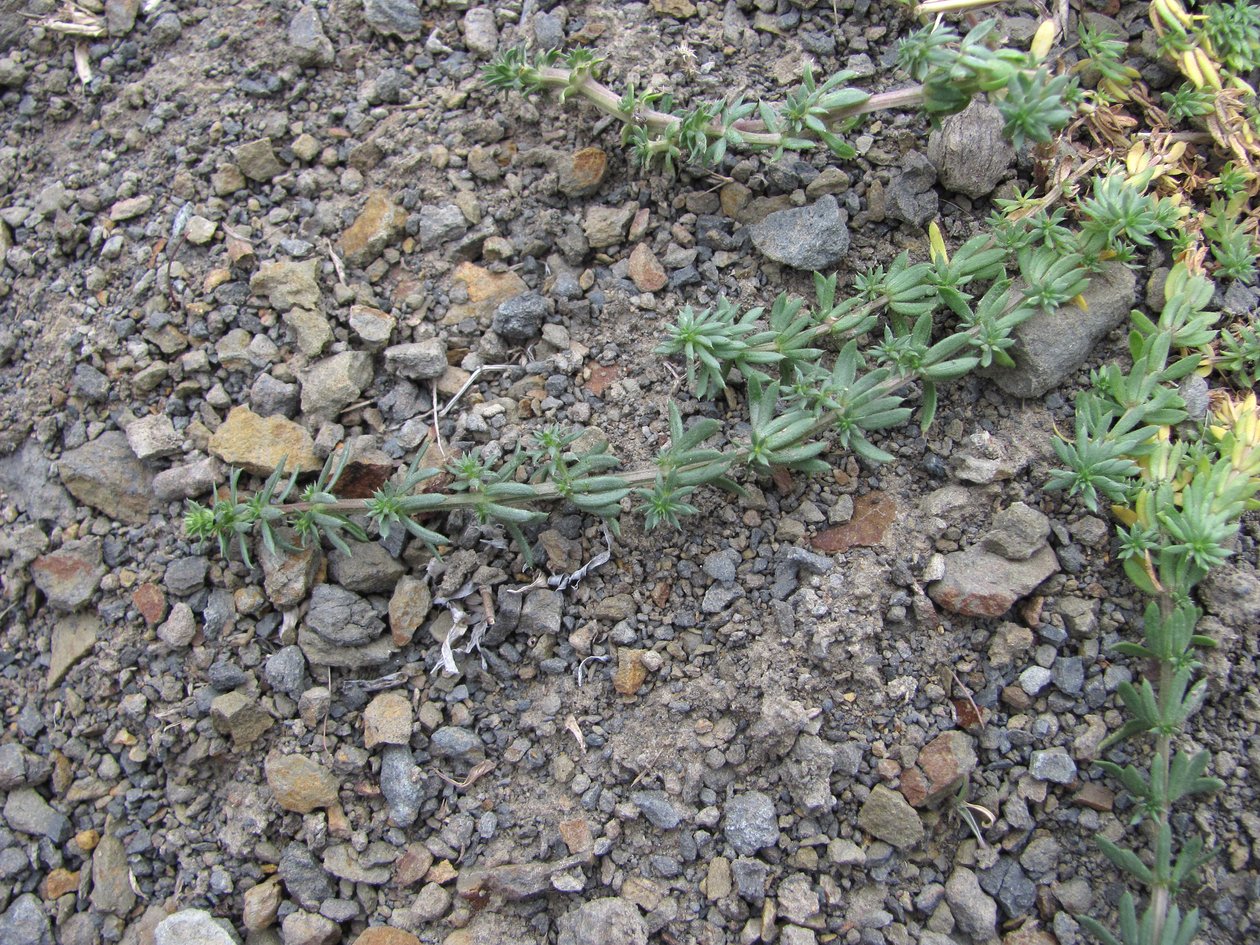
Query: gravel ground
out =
(263, 228)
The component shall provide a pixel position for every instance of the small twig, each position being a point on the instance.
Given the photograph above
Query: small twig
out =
(571, 726)
(967, 692)
(582, 666)
(336, 261)
(478, 771)
(437, 432)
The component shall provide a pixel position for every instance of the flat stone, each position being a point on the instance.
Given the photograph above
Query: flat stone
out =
(311, 330)
(607, 921)
(751, 823)
(978, 583)
(287, 285)
(646, 271)
(111, 877)
(810, 237)
(257, 160)
(27, 479)
(974, 911)
(400, 18)
(236, 714)
(342, 617)
(1052, 345)
(303, 877)
(73, 638)
(25, 922)
(657, 808)
(334, 383)
(942, 764)
(320, 652)
(887, 816)
(384, 935)
(377, 226)
(70, 575)
(373, 326)
(105, 474)
(258, 444)
(179, 628)
(288, 576)
(130, 208)
(200, 231)
(154, 436)
(308, 44)
(582, 172)
(606, 226)
(305, 928)
(300, 784)
(1018, 532)
(440, 223)
(387, 720)
(481, 36)
(418, 360)
(341, 861)
(408, 608)
(25, 810)
(1052, 764)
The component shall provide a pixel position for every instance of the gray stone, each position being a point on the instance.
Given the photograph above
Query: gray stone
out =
(541, 612)
(810, 237)
(289, 575)
(194, 927)
(186, 575)
(1068, 673)
(394, 17)
(179, 628)
(13, 766)
(1018, 532)
(606, 226)
(519, 319)
(401, 785)
(166, 28)
(307, 883)
(1051, 345)
(887, 816)
(187, 481)
(271, 397)
(285, 671)
(320, 652)
(1053, 764)
(70, 575)
(308, 44)
(608, 921)
(975, 913)
(751, 822)
(111, 877)
(1041, 855)
(720, 565)
(334, 383)
(305, 928)
(1232, 593)
(418, 360)
(90, 384)
(656, 808)
(807, 774)
(287, 285)
(970, 151)
(154, 437)
(257, 160)
(26, 810)
(370, 569)
(750, 879)
(106, 475)
(461, 744)
(548, 30)
(1008, 884)
(978, 583)
(342, 617)
(440, 223)
(341, 861)
(1034, 679)
(25, 922)
(73, 638)
(481, 36)
(910, 197)
(26, 477)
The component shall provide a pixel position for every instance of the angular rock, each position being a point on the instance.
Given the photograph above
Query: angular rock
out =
(1232, 593)
(257, 160)
(974, 911)
(303, 877)
(452, 741)
(308, 44)
(334, 383)
(373, 326)
(341, 861)
(481, 36)
(300, 784)
(26, 478)
(394, 17)
(320, 652)
(751, 822)
(657, 809)
(910, 197)
(25, 810)
(387, 720)
(408, 608)
(807, 774)
(978, 583)
(1050, 346)
(1052, 764)
(70, 575)
(439, 224)
(582, 172)
(401, 785)
(289, 575)
(258, 444)
(285, 671)
(646, 271)
(342, 617)
(73, 638)
(179, 628)
(970, 152)
(519, 319)
(261, 903)
(886, 816)
(1018, 532)
(942, 764)
(288, 285)
(516, 881)
(25, 922)
(606, 226)
(111, 877)
(379, 224)
(419, 360)
(608, 921)
(105, 474)
(811, 237)
(307, 928)
(120, 16)
(154, 437)
(369, 569)
(130, 208)
(236, 714)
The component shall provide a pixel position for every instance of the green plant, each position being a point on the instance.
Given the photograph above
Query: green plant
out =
(1179, 502)
(951, 70)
